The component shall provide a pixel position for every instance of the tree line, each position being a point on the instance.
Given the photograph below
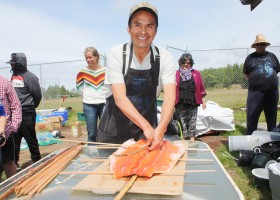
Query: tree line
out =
(225, 77)
(56, 91)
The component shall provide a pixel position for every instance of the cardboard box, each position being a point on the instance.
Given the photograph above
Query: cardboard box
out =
(57, 121)
(63, 114)
(44, 126)
(76, 129)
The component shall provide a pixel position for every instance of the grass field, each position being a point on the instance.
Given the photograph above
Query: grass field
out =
(230, 98)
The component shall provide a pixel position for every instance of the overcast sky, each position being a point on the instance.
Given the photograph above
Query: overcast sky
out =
(59, 30)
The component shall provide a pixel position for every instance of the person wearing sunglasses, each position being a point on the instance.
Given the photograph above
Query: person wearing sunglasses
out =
(190, 93)
(261, 68)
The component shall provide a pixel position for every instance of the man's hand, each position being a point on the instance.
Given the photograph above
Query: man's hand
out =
(157, 141)
(149, 134)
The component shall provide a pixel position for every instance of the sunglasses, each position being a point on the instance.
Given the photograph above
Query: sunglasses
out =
(184, 62)
(260, 44)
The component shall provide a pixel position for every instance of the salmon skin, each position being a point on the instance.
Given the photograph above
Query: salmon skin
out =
(133, 158)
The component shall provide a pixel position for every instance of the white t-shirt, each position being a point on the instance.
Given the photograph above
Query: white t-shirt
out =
(115, 65)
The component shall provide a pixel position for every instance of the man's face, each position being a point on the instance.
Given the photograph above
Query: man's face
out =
(142, 29)
(260, 47)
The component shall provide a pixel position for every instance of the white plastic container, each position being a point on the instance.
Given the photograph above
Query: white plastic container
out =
(274, 180)
(249, 142)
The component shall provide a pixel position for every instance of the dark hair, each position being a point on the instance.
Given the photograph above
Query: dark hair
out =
(184, 57)
(143, 9)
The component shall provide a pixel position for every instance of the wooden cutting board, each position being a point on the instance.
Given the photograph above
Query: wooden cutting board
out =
(158, 184)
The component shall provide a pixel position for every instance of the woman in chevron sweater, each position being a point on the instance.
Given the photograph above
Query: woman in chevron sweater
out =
(90, 81)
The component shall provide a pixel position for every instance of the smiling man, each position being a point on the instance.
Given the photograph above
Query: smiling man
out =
(136, 74)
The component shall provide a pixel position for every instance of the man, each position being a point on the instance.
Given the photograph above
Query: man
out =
(12, 108)
(261, 68)
(29, 93)
(136, 74)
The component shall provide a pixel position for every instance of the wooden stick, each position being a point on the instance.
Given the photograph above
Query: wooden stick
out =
(87, 172)
(188, 149)
(126, 188)
(182, 159)
(84, 142)
(37, 182)
(132, 152)
(156, 172)
(106, 147)
(92, 160)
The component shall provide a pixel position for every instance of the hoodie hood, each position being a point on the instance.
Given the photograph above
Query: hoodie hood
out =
(18, 62)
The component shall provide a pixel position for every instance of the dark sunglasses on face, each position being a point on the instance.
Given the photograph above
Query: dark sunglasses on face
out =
(184, 62)
(260, 44)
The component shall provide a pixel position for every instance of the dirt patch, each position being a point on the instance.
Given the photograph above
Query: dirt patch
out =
(25, 159)
(214, 140)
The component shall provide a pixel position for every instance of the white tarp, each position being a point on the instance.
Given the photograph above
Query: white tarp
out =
(214, 117)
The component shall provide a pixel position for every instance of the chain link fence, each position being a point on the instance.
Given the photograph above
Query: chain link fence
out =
(221, 71)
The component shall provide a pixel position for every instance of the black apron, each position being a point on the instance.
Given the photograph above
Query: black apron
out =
(141, 87)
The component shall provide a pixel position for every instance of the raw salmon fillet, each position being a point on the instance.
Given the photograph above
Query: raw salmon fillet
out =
(143, 162)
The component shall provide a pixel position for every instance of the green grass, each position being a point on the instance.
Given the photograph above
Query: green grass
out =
(250, 187)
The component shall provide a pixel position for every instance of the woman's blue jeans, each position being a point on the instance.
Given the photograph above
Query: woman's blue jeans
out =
(92, 113)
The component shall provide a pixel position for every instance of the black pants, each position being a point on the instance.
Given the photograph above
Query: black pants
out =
(257, 102)
(187, 114)
(7, 152)
(27, 131)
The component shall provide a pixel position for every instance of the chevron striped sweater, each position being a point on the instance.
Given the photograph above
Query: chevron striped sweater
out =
(91, 83)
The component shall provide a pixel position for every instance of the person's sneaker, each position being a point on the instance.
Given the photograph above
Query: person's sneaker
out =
(18, 167)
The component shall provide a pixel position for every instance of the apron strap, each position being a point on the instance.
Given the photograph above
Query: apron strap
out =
(155, 64)
(124, 57)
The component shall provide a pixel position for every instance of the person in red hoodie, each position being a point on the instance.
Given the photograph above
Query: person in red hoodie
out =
(190, 93)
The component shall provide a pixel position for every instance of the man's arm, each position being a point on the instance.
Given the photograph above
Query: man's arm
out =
(166, 113)
(128, 109)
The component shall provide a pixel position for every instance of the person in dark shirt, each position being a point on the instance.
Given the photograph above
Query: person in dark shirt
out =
(29, 93)
(261, 68)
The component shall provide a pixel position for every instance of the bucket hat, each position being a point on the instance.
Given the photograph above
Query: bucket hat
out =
(143, 6)
(260, 39)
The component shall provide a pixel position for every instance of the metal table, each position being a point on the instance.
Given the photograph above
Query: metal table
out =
(197, 186)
